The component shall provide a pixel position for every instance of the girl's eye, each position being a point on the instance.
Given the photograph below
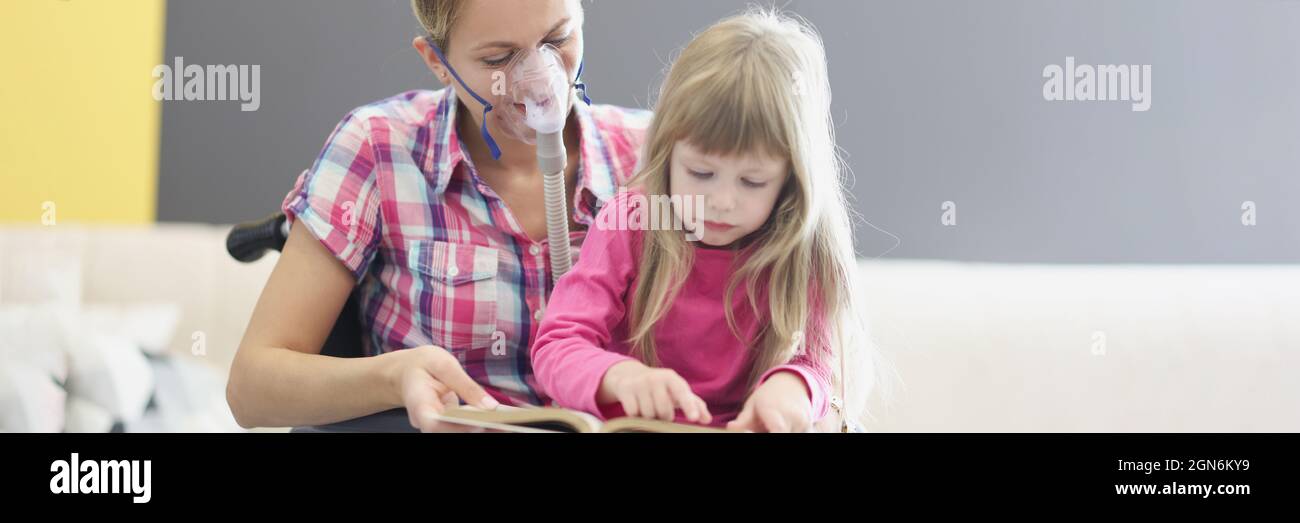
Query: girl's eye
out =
(700, 175)
(753, 184)
(559, 42)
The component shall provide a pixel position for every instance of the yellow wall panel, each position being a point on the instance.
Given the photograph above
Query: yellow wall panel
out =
(78, 123)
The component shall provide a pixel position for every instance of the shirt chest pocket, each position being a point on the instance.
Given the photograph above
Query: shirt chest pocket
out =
(456, 292)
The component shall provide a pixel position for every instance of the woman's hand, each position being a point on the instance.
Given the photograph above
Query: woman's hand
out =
(651, 393)
(780, 404)
(428, 379)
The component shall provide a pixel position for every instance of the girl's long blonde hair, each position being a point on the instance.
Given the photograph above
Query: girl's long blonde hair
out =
(757, 83)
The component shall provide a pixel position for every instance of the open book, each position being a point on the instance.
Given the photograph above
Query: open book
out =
(552, 419)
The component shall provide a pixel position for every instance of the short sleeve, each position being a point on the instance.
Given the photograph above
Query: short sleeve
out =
(338, 199)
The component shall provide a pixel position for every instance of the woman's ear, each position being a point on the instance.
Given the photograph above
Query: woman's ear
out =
(421, 45)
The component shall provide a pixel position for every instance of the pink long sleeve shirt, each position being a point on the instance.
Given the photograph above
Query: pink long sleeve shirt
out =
(585, 328)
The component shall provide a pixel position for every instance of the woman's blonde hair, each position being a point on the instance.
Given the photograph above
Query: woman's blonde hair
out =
(437, 17)
(757, 83)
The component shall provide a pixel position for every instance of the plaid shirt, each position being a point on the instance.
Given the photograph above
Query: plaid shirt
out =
(439, 258)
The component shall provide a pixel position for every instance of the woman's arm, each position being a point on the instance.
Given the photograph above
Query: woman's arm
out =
(279, 378)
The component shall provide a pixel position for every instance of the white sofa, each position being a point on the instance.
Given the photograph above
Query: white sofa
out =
(1088, 348)
(975, 347)
(85, 301)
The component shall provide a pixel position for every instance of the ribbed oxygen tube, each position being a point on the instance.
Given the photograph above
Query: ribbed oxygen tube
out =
(551, 158)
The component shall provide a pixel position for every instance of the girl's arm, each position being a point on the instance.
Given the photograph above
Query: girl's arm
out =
(812, 367)
(796, 395)
(569, 360)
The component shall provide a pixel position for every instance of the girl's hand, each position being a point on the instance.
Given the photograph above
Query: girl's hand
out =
(428, 379)
(651, 393)
(780, 404)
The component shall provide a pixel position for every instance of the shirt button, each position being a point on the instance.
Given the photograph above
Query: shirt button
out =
(537, 316)
(534, 250)
(452, 271)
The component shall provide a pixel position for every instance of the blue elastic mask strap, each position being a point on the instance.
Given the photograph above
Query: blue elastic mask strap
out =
(487, 107)
(580, 85)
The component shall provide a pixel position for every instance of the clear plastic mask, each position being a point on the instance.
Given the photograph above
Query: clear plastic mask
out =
(529, 95)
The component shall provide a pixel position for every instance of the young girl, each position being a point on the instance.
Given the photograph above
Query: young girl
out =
(739, 328)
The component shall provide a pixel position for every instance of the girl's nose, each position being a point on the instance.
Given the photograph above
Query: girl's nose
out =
(722, 201)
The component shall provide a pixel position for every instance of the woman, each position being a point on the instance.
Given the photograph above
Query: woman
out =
(437, 222)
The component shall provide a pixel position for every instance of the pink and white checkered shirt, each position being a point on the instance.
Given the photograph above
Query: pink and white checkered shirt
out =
(439, 258)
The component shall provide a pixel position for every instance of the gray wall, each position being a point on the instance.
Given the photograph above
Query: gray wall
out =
(935, 101)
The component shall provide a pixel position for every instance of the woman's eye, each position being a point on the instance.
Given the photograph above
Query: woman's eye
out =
(495, 62)
(750, 183)
(700, 175)
(559, 42)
